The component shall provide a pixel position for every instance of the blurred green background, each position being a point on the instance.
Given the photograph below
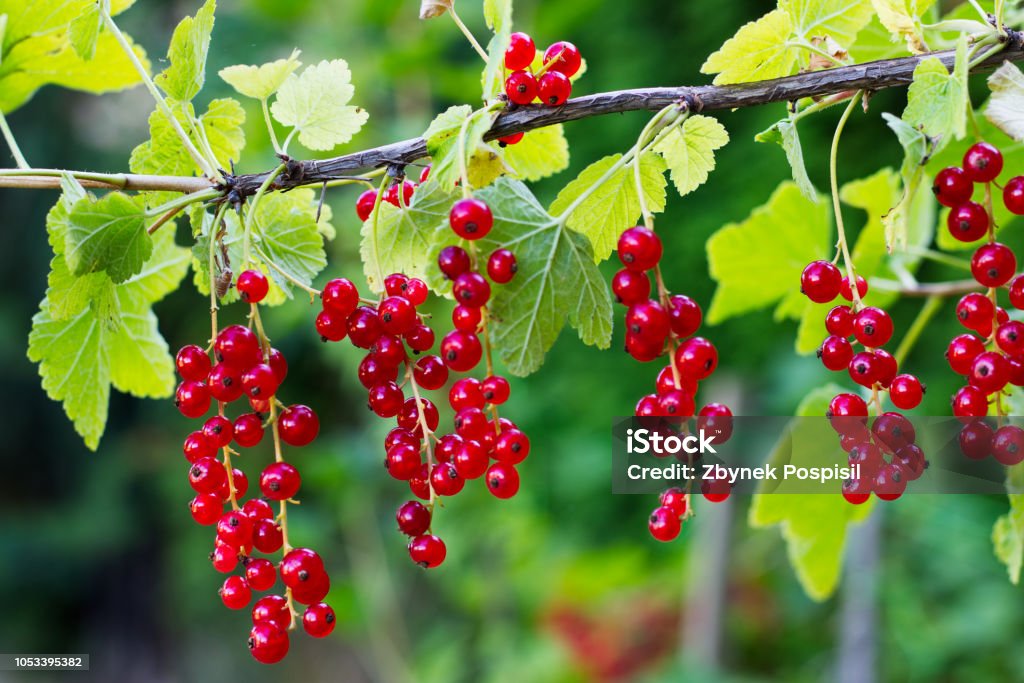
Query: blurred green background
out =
(562, 583)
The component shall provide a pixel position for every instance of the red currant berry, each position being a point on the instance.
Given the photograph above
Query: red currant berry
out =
(890, 482)
(1013, 195)
(461, 351)
(886, 366)
(1010, 337)
(420, 338)
(466, 393)
(364, 205)
(400, 194)
(716, 419)
(521, 87)
(970, 402)
(206, 509)
(193, 363)
(271, 609)
(639, 249)
(976, 440)
(471, 289)
(1017, 292)
(952, 187)
(1008, 445)
(648, 321)
(684, 315)
(506, 140)
(258, 509)
(409, 416)
(471, 460)
(331, 326)
(372, 372)
(430, 373)
(197, 445)
(385, 399)
(298, 425)
(259, 381)
(989, 372)
(471, 219)
(363, 327)
(566, 58)
(675, 499)
(267, 536)
(447, 447)
(395, 284)
(453, 262)
(520, 52)
(253, 286)
(446, 480)
(554, 88)
(206, 475)
(864, 369)
(835, 353)
(664, 524)
(648, 406)
(397, 315)
(715, 490)
(403, 461)
(962, 351)
(857, 491)
(847, 406)
(319, 620)
(976, 312)
(466, 319)
(427, 551)
(968, 222)
(399, 435)
(279, 365)
(340, 296)
(631, 287)
(495, 390)
(225, 383)
(224, 558)
(906, 392)
(982, 162)
(993, 264)
(301, 566)
(280, 481)
(839, 321)
(847, 293)
(872, 327)
(502, 266)
(512, 447)
(235, 593)
(238, 346)
(413, 518)
(192, 398)
(502, 480)
(820, 281)
(218, 430)
(268, 643)
(697, 358)
(248, 430)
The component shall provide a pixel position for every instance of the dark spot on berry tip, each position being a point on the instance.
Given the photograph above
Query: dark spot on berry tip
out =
(303, 575)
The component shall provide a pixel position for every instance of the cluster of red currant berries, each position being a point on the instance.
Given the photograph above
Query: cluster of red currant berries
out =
(885, 451)
(991, 354)
(245, 368)
(399, 193)
(550, 84)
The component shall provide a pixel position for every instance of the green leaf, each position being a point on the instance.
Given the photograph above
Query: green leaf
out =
(541, 153)
(315, 103)
(757, 52)
(260, 82)
(1006, 106)
(813, 525)
(557, 280)
(224, 125)
(286, 230)
(109, 235)
(615, 204)
(784, 134)
(190, 44)
(903, 21)
(937, 100)
(1008, 531)
(758, 262)
(398, 240)
(443, 144)
(498, 14)
(916, 149)
(69, 294)
(874, 42)
(840, 20)
(84, 32)
(689, 149)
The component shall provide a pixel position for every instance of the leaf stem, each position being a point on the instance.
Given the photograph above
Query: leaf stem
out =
(19, 158)
(182, 202)
(834, 180)
(931, 306)
(427, 433)
(938, 257)
(270, 126)
(469, 34)
(283, 273)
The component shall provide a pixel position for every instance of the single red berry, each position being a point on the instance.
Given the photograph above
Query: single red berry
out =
(906, 392)
(847, 293)
(313, 592)
(397, 315)
(952, 187)
(363, 327)
(639, 249)
(962, 351)
(271, 609)
(495, 390)
(648, 406)
(839, 321)
(993, 264)
(970, 402)
(224, 558)
(684, 315)
(453, 262)
(521, 87)
(564, 58)
(976, 440)
(301, 566)
(864, 369)
(253, 286)
(512, 447)
(400, 194)
(260, 574)
(385, 399)
(976, 312)
(260, 381)
(372, 372)
(447, 447)
(466, 318)
(502, 266)
(403, 461)
(206, 508)
(675, 499)
(649, 321)
(446, 480)
(409, 415)
(982, 162)
(890, 482)
(331, 326)
(318, 620)
(506, 140)
(968, 222)
(471, 219)
(234, 528)
(280, 481)
(1013, 195)
(461, 351)
(716, 420)
(298, 425)
(193, 363)
(430, 372)
(420, 338)
(235, 593)
(238, 346)
(192, 398)
(258, 509)
(427, 551)
(820, 281)
(715, 490)
(697, 358)
(1016, 370)
(1008, 445)
(340, 296)
(1010, 337)
(466, 393)
(502, 480)
(872, 327)
(857, 491)
(413, 518)
(206, 475)
(268, 643)
(835, 353)
(989, 372)
(664, 524)
(471, 459)
(395, 284)
(398, 435)
(471, 289)
(279, 364)
(520, 52)
(554, 88)
(248, 430)
(364, 205)
(630, 286)
(217, 430)
(267, 536)
(847, 413)
(886, 365)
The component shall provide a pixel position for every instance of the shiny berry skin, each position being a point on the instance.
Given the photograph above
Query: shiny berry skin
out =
(664, 524)
(466, 319)
(253, 286)
(962, 351)
(872, 327)
(430, 373)
(1008, 445)
(856, 491)
(506, 140)
(193, 363)
(886, 366)
(502, 480)
(952, 187)
(395, 284)
(409, 416)
(567, 58)
(968, 222)
(416, 291)
(300, 566)
(675, 500)
(389, 350)
(259, 381)
(520, 52)
(976, 440)
(461, 351)
(318, 620)
(1013, 195)
(224, 558)
(835, 353)
(238, 346)
(225, 382)
(397, 315)
(330, 326)
(271, 609)
(428, 551)
(847, 412)
(716, 419)
(364, 327)
(267, 536)
(502, 266)
(218, 431)
(631, 287)
(1016, 370)
(280, 481)
(466, 393)
(413, 518)
(206, 475)
(521, 87)
(495, 390)
(970, 402)
(298, 425)
(235, 593)
(982, 162)
(425, 173)
(847, 293)
(697, 358)
(420, 338)
(206, 508)
(192, 398)
(639, 249)
(715, 490)
(447, 447)
(512, 447)
(890, 482)
(314, 591)
(471, 218)
(684, 315)
(197, 445)
(906, 392)
(364, 205)
(976, 312)
(453, 262)
(993, 264)
(649, 321)
(340, 296)
(471, 460)
(839, 321)
(268, 643)
(864, 369)
(471, 289)
(385, 399)
(403, 461)
(398, 435)
(248, 430)
(554, 88)
(372, 372)
(260, 574)
(820, 281)
(446, 480)
(989, 372)
(1010, 337)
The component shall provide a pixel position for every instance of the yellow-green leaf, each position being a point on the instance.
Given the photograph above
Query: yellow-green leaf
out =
(190, 44)
(689, 151)
(758, 51)
(937, 100)
(541, 153)
(316, 103)
(260, 82)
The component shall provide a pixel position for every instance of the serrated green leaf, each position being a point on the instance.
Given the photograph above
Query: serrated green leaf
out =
(813, 525)
(689, 151)
(758, 262)
(108, 234)
(260, 82)
(541, 153)
(398, 240)
(443, 141)
(190, 44)
(315, 103)
(69, 294)
(615, 205)
(937, 100)
(902, 18)
(757, 52)
(224, 125)
(286, 230)
(840, 20)
(1006, 106)
(784, 134)
(163, 272)
(557, 280)
(140, 361)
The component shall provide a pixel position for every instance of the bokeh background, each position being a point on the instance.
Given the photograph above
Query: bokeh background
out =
(562, 583)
